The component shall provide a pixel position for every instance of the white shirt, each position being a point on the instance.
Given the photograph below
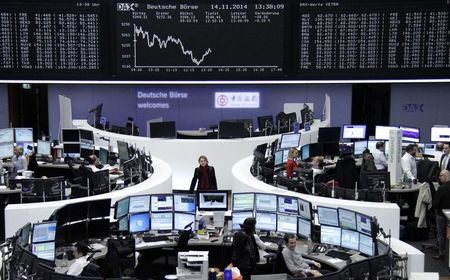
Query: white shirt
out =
(20, 163)
(317, 171)
(409, 166)
(77, 267)
(379, 159)
(261, 248)
(437, 156)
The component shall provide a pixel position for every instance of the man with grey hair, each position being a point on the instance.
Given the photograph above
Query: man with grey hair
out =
(441, 200)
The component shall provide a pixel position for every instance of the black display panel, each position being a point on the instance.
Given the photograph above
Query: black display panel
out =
(367, 39)
(194, 39)
(52, 39)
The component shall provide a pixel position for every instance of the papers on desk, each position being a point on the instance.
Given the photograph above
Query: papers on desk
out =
(334, 260)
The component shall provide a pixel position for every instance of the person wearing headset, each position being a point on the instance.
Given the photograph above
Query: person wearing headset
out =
(204, 176)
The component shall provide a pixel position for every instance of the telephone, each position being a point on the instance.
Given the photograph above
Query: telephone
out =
(318, 248)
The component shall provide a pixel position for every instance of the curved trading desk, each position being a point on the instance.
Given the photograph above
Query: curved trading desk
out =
(16, 215)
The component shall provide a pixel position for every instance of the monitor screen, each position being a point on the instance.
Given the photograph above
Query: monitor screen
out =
(291, 140)
(359, 147)
(44, 232)
(364, 223)
(238, 218)
(266, 221)
(375, 180)
(429, 148)
(86, 150)
(366, 245)
(260, 151)
(330, 149)
(410, 134)
(44, 147)
(161, 202)
(70, 135)
(6, 135)
(162, 221)
(266, 202)
(72, 150)
(372, 145)
(354, 131)
(23, 235)
(243, 201)
(103, 155)
(329, 134)
(382, 132)
(232, 129)
(330, 235)
(305, 152)
(287, 224)
(327, 216)
(350, 239)
(45, 250)
(6, 149)
(304, 209)
(213, 201)
(288, 205)
(24, 134)
(304, 227)
(163, 130)
(184, 202)
(347, 218)
(181, 220)
(122, 207)
(123, 223)
(87, 136)
(139, 204)
(440, 134)
(122, 147)
(278, 158)
(139, 222)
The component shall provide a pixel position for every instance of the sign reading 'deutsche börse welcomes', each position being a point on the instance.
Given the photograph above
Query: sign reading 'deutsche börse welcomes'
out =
(236, 99)
(158, 99)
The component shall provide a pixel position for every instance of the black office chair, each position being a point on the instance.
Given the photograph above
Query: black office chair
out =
(120, 257)
(379, 266)
(280, 264)
(346, 172)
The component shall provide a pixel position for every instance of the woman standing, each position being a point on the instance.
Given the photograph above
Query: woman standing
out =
(204, 176)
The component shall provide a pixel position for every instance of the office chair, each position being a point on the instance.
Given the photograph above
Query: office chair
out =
(280, 264)
(346, 172)
(120, 257)
(171, 253)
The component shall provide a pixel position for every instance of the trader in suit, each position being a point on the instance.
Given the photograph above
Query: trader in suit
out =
(204, 176)
(441, 200)
(444, 162)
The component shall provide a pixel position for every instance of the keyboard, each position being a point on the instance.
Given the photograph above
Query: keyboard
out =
(155, 238)
(271, 239)
(338, 254)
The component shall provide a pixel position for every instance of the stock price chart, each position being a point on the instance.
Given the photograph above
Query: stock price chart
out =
(215, 39)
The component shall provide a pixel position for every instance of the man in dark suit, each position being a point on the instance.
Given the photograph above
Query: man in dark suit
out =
(444, 163)
(441, 200)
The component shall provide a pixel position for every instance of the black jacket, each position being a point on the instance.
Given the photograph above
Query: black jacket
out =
(245, 251)
(198, 177)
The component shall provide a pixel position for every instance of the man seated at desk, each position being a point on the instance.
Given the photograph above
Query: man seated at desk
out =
(80, 252)
(95, 165)
(379, 157)
(317, 165)
(296, 264)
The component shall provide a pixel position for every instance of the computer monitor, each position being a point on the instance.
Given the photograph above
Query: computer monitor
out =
(288, 205)
(184, 202)
(163, 130)
(327, 216)
(6, 135)
(351, 131)
(129, 168)
(86, 150)
(382, 132)
(123, 151)
(72, 150)
(122, 224)
(330, 235)
(304, 227)
(329, 134)
(350, 239)
(347, 219)
(24, 134)
(139, 203)
(375, 180)
(266, 202)
(265, 122)
(305, 152)
(43, 232)
(260, 151)
(122, 207)
(103, 155)
(243, 201)
(366, 245)
(87, 136)
(161, 202)
(266, 221)
(410, 134)
(305, 209)
(6, 149)
(44, 250)
(98, 228)
(364, 224)
(278, 158)
(70, 135)
(238, 218)
(359, 147)
(161, 221)
(23, 235)
(231, 129)
(44, 147)
(291, 140)
(181, 220)
(139, 222)
(287, 223)
(213, 200)
(440, 134)
(429, 148)
(330, 149)
(372, 145)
